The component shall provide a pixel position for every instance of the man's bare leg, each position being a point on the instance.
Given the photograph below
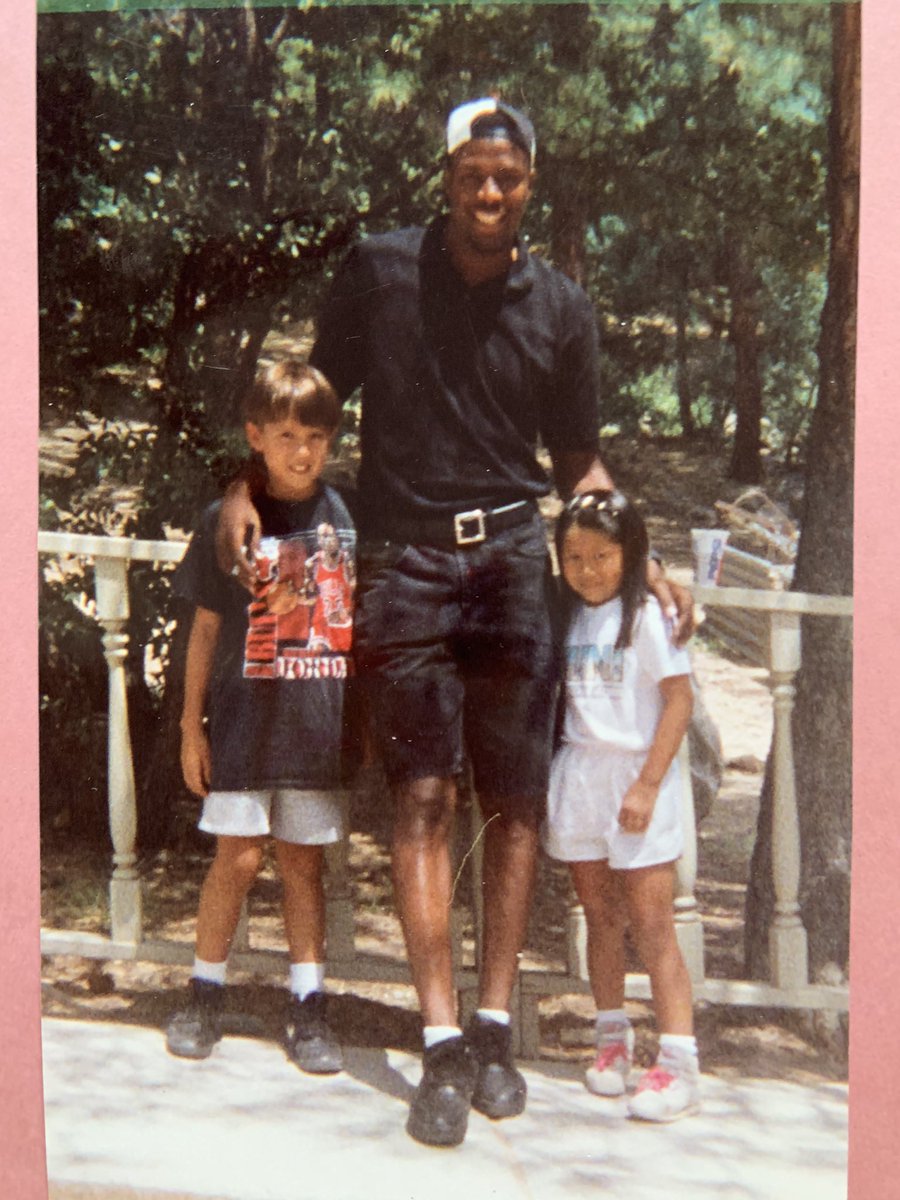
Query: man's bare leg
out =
(424, 810)
(439, 1112)
(510, 856)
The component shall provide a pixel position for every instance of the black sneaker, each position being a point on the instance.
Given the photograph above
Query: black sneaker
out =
(193, 1031)
(309, 1042)
(439, 1112)
(500, 1090)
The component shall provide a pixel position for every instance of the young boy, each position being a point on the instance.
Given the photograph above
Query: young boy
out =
(274, 676)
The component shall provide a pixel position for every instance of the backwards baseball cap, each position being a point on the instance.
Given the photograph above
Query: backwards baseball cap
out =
(492, 119)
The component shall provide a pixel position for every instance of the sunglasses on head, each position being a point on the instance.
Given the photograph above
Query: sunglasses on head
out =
(612, 502)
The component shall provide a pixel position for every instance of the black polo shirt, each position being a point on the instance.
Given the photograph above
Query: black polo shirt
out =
(460, 384)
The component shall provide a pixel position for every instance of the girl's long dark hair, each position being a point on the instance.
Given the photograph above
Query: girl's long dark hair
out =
(614, 515)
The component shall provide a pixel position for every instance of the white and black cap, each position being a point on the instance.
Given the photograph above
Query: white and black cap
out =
(490, 118)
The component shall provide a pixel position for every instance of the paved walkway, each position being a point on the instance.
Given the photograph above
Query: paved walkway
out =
(124, 1119)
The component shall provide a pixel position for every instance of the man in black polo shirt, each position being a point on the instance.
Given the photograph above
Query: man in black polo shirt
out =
(470, 352)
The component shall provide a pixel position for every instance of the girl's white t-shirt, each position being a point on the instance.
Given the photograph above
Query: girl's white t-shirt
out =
(612, 696)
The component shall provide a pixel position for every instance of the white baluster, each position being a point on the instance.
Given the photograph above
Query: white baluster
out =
(340, 931)
(787, 938)
(111, 589)
(529, 1025)
(576, 937)
(241, 940)
(688, 923)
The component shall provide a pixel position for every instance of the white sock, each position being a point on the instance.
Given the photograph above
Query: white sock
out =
(500, 1015)
(209, 972)
(433, 1034)
(611, 1016)
(681, 1043)
(307, 978)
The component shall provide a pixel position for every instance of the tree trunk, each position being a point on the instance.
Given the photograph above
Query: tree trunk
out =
(743, 286)
(682, 378)
(570, 39)
(568, 228)
(822, 733)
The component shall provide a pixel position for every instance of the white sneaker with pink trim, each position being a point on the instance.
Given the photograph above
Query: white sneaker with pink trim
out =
(609, 1074)
(669, 1090)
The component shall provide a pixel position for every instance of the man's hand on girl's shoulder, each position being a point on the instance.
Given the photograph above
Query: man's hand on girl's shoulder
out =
(684, 616)
(675, 600)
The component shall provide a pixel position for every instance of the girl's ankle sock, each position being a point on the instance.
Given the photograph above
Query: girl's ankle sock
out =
(678, 1043)
(607, 1017)
(612, 1025)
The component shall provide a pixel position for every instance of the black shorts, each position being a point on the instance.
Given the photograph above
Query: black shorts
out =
(459, 648)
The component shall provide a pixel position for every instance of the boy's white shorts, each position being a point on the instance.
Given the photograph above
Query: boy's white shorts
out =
(587, 787)
(308, 818)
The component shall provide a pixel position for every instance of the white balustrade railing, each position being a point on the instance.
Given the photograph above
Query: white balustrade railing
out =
(787, 936)
(788, 985)
(111, 556)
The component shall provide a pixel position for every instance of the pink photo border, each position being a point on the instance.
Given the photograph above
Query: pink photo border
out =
(875, 1079)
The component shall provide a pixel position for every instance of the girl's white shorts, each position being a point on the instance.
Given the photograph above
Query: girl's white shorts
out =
(587, 786)
(308, 818)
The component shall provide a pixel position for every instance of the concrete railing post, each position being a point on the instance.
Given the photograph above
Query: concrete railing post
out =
(787, 937)
(576, 937)
(688, 923)
(340, 929)
(240, 943)
(111, 591)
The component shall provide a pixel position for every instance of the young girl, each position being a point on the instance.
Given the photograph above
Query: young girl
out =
(614, 804)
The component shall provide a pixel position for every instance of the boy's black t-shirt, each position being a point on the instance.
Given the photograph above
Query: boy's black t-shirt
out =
(276, 694)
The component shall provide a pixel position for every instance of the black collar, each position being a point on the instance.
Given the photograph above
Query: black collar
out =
(518, 279)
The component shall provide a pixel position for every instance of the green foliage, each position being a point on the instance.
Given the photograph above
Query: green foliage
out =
(198, 168)
(201, 171)
(72, 694)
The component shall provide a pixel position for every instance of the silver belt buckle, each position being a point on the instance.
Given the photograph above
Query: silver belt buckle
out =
(460, 521)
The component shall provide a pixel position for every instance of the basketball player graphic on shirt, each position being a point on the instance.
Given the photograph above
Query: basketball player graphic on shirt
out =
(283, 590)
(329, 589)
(303, 608)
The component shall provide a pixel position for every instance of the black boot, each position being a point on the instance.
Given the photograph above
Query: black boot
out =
(500, 1090)
(309, 1042)
(439, 1112)
(193, 1031)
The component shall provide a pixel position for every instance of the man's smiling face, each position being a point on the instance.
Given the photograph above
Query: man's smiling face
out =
(488, 183)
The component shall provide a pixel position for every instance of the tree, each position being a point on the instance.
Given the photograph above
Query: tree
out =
(197, 171)
(670, 142)
(201, 170)
(822, 734)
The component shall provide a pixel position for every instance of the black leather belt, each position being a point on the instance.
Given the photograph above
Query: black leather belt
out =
(463, 528)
